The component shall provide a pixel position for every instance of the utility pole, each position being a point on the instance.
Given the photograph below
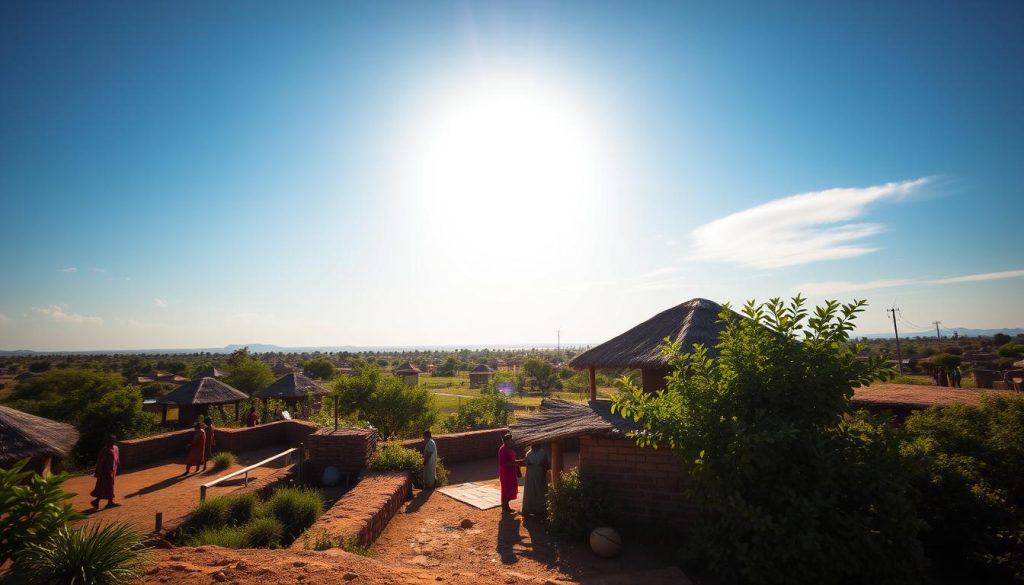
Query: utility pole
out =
(899, 355)
(937, 323)
(558, 345)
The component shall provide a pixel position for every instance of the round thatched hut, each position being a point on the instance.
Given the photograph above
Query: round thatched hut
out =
(210, 373)
(194, 398)
(693, 322)
(293, 388)
(480, 376)
(409, 373)
(40, 439)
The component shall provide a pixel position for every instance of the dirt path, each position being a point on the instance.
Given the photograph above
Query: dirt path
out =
(160, 487)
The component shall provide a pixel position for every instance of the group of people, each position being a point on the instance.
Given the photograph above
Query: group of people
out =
(200, 450)
(950, 378)
(535, 486)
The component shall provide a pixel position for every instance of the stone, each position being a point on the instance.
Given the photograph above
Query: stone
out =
(242, 565)
(349, 576)
(466, 523)
(220, 576)
(299, 564)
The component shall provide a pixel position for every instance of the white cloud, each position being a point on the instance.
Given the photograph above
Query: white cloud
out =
(99, 270)
(69, 269)
(798, 229)
(57, 313)
(840, 287)
(160, 303)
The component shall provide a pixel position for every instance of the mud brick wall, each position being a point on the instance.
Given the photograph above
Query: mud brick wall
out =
(459, 447)
(136, 452)
(644, 484)
(347, 449)
(364, 512)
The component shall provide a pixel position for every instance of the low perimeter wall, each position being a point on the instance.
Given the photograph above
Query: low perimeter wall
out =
(136, 452)
(459, 447)
(347, 449)
(364, 512)
(644, 484)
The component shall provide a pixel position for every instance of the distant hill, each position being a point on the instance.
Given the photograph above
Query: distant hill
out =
(269, 348)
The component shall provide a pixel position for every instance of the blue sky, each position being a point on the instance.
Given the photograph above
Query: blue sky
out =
(197, 174)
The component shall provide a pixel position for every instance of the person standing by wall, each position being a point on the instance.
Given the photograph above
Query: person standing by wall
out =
(196, 449)
(507, 474)
(429, 461)
(211, 442)
(535, 490)
(106, 471)
(252, 419)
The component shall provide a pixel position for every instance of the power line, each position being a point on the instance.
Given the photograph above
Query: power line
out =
(937, 334)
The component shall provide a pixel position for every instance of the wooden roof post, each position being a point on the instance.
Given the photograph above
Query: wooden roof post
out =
(556, 461)
(593, 384)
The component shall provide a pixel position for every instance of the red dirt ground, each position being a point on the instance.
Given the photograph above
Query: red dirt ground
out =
(918, 396)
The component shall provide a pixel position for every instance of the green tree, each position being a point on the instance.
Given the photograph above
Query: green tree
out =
(320, 368)
(249, 375)
(393, 407)
(117, 413)
(450, 367)
(541, 375)
(946, 360)
(491, 409)
(788, 490)
(63, 394)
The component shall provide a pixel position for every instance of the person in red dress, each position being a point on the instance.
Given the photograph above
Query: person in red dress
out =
(197, 449)
(508, 473)
(211, 441)
(106, 470)
(251, 419)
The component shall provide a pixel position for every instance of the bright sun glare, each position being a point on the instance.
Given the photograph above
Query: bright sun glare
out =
(508, 150)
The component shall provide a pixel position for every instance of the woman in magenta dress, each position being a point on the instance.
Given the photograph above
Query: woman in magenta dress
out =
(507, 473)
(106, 470)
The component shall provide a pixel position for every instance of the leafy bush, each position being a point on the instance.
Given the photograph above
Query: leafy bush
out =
(969, 463)
(392, 406)
(394, 457)
(223, 460)
(788, 489)
(490, 410)
(226, 536)
(31, 507)
(295, 508)
(96, 555)
(576, 505)
(264, 533)
(946, 360)
(1013, 349)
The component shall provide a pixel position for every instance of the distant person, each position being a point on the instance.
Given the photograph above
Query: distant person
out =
(196, 449)
(252, 419)
(211, 441)
(106, 471)
(285, 415)
(535, 490)
(429, 461)
(508, 473)
(943, 376)
(956, 375)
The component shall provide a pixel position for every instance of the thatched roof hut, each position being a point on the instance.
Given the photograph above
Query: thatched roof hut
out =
(41, 439)
(210, 373)
(480, 376)
(562, 419)
(695, 321)
(193, 398)
(281, 368)
(409, 373)
(292, 387)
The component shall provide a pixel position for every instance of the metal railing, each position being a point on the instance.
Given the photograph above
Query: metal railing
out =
(297, 451)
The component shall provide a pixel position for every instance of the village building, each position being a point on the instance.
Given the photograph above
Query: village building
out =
(161, 376)
(194, 398)
(409, 373)
(294, 389)
(42, 440)
(210, 373)
(480, 376)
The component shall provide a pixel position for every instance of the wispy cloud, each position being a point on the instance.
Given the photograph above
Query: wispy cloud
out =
(160, 303)
(59, 314)
(798, 229)
(69, 269)
(842, 286)
(99, 270)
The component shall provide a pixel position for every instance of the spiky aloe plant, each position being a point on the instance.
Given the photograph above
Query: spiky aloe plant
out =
(110, 554)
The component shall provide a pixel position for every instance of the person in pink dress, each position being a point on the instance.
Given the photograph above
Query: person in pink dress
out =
(508, 473)
(106, 470)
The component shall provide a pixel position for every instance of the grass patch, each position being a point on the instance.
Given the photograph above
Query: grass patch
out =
(264, 533)
(223, 460)
(242, 521)
(226, 536)
(394, 457)
(111, 554)
(295, 508)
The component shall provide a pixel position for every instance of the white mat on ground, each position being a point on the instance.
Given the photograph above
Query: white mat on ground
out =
(477, 495)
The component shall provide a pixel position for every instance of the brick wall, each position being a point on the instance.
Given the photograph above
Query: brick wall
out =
(347, 449)
(644, 484)
(364, 512)
(459, 447)
(136, 452)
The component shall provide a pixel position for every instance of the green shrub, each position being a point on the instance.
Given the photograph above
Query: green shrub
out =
(1012, 350)
(264, 533)
(323, 541)
(789, 489)
(946, 360)
(226, 536)
(96, 555)
(223, 460)
(576, 505)
(295, 508)
(394, 457)
(213, 513)
(241, 509)
(31, 507)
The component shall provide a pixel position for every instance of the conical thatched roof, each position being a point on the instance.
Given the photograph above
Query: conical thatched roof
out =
(292, 386)
(482, 369)
(203, 391)
(407, 369)
(26, 435)
(210, 373)
(561, 419)
(695, 321)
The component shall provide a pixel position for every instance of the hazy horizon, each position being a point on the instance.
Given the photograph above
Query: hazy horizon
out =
(427, 174)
